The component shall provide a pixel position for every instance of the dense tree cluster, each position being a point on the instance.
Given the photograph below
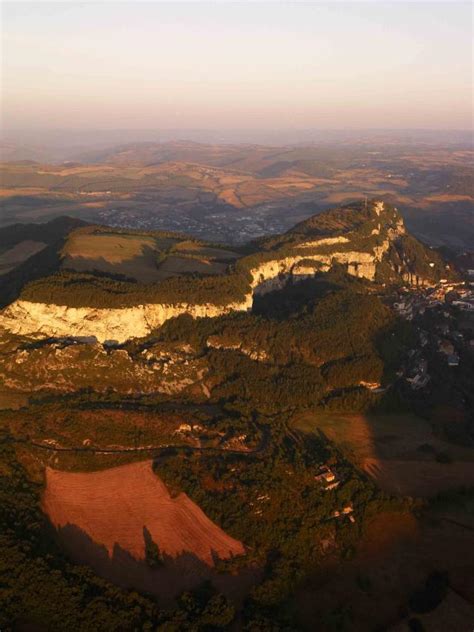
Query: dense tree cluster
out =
(100, 291)
(287, 513)
(310, 344)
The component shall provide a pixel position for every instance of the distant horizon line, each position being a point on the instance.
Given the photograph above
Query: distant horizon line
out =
(238, 129)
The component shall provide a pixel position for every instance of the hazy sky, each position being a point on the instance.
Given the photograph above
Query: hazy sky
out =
(236, 65)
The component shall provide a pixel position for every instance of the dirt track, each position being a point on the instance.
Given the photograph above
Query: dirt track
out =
(148, 449)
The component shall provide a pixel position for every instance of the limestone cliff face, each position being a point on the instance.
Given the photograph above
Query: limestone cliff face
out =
(326, 241)
(27, 318)
(361, 261)
(304, 259)
(273, 275)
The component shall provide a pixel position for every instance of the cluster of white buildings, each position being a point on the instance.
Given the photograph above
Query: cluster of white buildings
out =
(327, 478)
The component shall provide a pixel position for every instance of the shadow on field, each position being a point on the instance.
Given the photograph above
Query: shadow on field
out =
(164, 578)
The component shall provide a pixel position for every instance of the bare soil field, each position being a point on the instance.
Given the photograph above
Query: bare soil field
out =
(106, 518)
(398, 451)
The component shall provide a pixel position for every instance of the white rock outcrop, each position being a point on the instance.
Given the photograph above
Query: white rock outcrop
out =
(326, 241)
(120, 324)
(41, 319)
(274, 274)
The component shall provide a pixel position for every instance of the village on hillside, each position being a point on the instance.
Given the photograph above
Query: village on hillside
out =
(444, 319)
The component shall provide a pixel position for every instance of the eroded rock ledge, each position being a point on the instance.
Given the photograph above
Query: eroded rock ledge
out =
(307, 258)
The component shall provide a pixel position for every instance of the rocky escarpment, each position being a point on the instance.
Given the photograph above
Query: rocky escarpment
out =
(120, 324)
(63, 366)
(274, 275)
(217, 342)
(366, 244)
(27, 318)
(359, 252)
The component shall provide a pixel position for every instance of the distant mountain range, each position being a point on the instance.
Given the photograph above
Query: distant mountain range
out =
(67, 144)
(234, 193)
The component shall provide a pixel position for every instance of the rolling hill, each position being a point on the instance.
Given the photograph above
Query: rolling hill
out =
(233, 193)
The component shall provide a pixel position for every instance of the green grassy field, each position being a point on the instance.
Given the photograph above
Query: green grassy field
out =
(143, 257)
(114, 248)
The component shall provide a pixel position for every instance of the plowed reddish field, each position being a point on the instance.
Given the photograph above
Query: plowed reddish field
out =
(102, 518)
(113, 507)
